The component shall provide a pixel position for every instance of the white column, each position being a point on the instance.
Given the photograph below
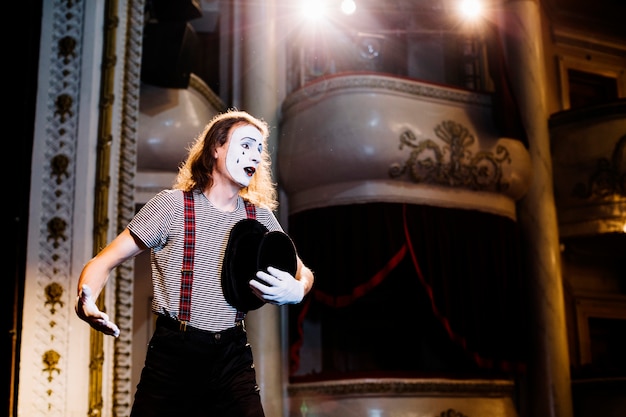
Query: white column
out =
(260, 97)
(548, 391)
(54, 348)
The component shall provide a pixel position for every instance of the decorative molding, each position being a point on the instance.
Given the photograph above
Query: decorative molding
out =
(57, 188)
(343, 83)
(588, 148)
(50, 361)
(451, 413)
(598, 306)
(59, 165)
(609, 177)
(583, 41)
(67, 48)
(452, 165)
(403, 386)
(568, 62)
(367, 396)
(54, 296)
(122, 366)
(57, 228)
(63, 107)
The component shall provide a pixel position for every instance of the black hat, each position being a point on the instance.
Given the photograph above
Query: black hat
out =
(251, 248)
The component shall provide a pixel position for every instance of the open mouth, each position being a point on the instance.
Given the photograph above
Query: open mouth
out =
(249, 171)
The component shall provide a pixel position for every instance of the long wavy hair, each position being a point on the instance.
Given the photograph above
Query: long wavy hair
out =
(196, 172)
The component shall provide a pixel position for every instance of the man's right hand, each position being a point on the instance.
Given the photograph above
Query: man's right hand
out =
(88, 311)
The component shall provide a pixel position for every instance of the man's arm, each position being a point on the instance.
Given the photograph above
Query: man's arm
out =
(94, 277)
(305, 276)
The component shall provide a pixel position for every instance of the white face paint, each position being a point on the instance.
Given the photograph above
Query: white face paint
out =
(244, 153)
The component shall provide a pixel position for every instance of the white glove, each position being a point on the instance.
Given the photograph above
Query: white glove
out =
(88, 311)
(282, 287)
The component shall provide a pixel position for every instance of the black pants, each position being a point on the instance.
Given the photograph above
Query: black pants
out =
(194, 373)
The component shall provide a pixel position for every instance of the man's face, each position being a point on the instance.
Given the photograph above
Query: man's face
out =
(244, 153)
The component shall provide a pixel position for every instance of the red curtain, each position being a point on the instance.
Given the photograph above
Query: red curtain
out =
(409, 289)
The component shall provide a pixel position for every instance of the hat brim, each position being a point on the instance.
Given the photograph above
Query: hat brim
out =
(251, 248)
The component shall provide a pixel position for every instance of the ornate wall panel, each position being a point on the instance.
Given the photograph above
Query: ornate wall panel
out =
(80, 87)
(44, 378)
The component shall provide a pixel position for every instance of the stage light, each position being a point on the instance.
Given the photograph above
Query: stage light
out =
(313, 10)
(348, 7)
(471, 9)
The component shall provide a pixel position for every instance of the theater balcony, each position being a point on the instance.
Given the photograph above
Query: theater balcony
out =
(589, 162)
(364, 137)
(589, 171)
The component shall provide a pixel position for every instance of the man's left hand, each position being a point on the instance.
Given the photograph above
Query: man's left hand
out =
(282, 287)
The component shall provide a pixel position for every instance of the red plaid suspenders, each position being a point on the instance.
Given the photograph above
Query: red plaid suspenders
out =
(251, 214)
(186, 281)
(250, 209)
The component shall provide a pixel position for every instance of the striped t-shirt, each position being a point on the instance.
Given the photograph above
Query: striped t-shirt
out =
(160, 226)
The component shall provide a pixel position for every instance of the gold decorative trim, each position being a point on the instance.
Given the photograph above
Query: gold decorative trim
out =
(54, 296)
(56, 228)
(67, 48)
(50, 361)
(59, 167)
(63, 105)
(101, 213)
